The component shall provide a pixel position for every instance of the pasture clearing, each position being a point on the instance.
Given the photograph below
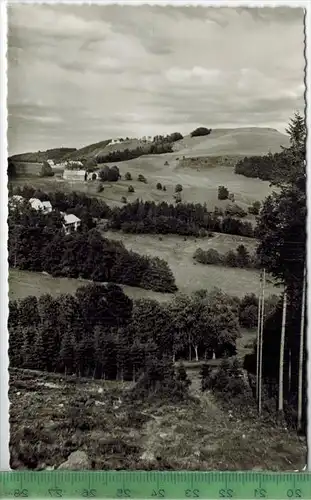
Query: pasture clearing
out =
(190, 275)
(24, 283)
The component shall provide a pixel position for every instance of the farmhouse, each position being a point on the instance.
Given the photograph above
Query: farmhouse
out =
(74, 175)
(71, 223)
(44, 206)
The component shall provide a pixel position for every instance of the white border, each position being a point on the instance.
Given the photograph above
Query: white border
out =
(4, 379)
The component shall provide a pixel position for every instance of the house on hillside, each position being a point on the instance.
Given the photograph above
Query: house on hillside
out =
(71, 223)
(51, 163)
(43, 206)
(114, 141)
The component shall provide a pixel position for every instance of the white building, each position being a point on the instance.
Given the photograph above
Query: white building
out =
(71, 223)
(74, 175)
(44, 206)
(51, 163)
(114, 141)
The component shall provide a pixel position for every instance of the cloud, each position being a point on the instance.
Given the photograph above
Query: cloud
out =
(83, 73)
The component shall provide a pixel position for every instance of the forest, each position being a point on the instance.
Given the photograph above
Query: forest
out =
(37, 243)
(101, 332)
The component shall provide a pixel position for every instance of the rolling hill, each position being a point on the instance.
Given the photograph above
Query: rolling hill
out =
(234, 142)
(250, 141)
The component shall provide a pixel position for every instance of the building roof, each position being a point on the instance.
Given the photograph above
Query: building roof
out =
(71, 218)
(36, 200)
(47, 204)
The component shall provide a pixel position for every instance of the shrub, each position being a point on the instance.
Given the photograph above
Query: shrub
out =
(159, 186)
(200, 131)
(123, 199)
(218, 212)
(205, 375)
(164, 188)
(235, 211)
(142, 178)
(100, 188)
(231, 197)
(254, 208)
(166, 163)
(46, 170)
(210, 256)
(178, 198)
(94, 177)
(223, 193)
(128, 176)
(176, 136)
(131, 189)
(243, 257)
(231, 259)
(178, 188)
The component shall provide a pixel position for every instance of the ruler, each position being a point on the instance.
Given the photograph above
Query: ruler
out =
(155, 485)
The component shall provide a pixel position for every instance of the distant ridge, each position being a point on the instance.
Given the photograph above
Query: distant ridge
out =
(245, 141)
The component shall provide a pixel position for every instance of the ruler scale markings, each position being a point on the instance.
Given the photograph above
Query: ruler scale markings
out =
(143, 485)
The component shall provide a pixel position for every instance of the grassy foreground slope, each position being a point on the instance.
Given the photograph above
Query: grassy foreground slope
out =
(60, 415)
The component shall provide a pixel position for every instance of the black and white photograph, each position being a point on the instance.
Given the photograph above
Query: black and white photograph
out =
(157, 210)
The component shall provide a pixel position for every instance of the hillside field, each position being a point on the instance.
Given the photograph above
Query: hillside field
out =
(177, 252)
(199, 185)
(191, 275)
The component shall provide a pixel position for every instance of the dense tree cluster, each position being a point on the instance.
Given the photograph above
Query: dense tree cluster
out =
(110, 174)
(37, 243)
(239, 258)
(271, 167)
(100, 332)
(46, 170)
(130, 154)
(183, 218)
(200, 131)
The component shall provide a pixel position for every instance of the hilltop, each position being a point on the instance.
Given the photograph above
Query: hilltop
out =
(234, 141)
(248, 141)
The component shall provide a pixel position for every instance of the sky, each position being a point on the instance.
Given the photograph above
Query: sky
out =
(79, 74)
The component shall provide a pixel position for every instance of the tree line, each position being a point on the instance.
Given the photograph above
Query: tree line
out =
(240, 258)
(187, 219)
(282, 252)
(100, 332)
(271, 167)
(37, 243)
